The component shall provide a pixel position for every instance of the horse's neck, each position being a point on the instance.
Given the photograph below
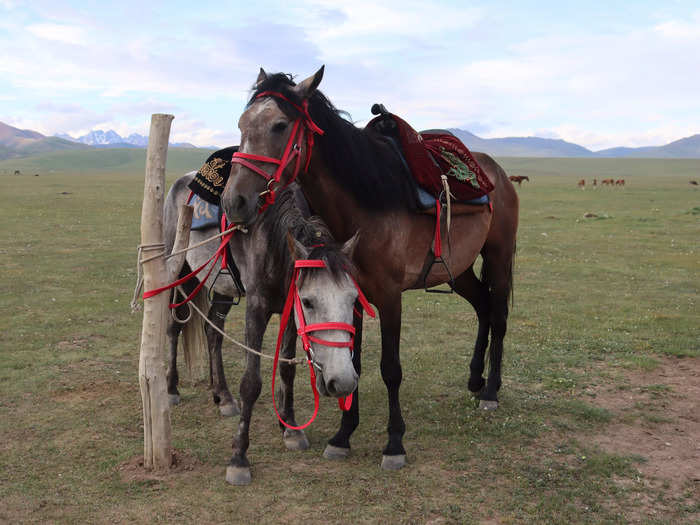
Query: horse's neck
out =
(336, 206)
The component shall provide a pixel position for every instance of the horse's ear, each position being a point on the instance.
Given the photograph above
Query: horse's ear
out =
(306, 88)
(262, 77)
(296, 249)
(349, 247)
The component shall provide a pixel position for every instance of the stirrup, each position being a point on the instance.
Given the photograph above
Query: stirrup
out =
(234, 301)
(450, 281)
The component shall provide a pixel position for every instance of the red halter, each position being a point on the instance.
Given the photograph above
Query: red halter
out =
(304, 128)
(304, 331)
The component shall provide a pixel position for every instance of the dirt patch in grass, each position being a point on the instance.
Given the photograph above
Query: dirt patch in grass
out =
(90, 391)
(657, 417)
(132, 470)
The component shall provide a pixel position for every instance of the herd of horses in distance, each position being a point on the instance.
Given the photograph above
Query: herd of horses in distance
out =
(582, 182)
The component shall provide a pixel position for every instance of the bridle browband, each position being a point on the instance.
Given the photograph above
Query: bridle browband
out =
(304, 330)
(304, 128)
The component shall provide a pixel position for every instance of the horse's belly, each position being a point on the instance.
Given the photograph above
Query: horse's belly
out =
(466, 238)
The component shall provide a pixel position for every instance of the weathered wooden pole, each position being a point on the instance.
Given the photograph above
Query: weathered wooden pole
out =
(157, 453)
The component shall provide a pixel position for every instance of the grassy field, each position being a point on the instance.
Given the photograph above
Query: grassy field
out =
(598, 301)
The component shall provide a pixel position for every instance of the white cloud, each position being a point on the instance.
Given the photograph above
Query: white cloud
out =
(680, 29)
(66, 34)
(435, 68)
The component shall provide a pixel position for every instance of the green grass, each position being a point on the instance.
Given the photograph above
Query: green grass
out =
(127, 161)
(593, 298)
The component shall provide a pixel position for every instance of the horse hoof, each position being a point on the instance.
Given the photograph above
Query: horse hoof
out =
(174, 399)
(229, 409)
(237, 475)
(396, 462)
(295, 440)
(333, 452)
(488, 405)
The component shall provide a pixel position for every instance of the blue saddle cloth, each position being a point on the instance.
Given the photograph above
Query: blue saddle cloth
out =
(427, 201)
(206, 215)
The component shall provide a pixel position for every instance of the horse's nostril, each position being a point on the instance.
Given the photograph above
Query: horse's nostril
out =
(239, 203)
(330, 386)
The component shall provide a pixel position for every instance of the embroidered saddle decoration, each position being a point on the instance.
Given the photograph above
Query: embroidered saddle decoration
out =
(211, 178)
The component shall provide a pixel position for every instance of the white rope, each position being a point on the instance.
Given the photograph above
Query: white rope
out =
(295, 361)
(134, 304)
(448, 197)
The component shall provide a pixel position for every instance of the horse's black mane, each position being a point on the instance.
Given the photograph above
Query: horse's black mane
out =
(312, 233)
(360, 160)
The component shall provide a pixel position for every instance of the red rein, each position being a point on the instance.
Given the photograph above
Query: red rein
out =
(304, 128)
(305, 330)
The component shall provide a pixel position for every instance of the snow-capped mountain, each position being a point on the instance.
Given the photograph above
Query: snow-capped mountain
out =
(112, 139)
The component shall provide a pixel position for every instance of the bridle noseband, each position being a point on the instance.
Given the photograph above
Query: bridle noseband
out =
(304, 330)
(304, 128)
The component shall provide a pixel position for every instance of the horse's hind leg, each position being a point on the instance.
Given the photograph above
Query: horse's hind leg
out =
(293, 439)
(238, 470)
(498, 274)
(174, 329)
(217, 380)
(338, 446)
(473, 290)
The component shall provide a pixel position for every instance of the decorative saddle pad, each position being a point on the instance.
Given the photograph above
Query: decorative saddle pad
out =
(431, 154)
(205, 214)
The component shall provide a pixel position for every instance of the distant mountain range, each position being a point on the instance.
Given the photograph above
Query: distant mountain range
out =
(687, 148)
(15, 143)
(112, 139)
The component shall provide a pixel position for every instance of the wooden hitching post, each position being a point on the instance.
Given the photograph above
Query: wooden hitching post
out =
(157, 454)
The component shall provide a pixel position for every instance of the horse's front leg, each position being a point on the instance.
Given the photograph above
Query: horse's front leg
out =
(257, 317)
(394, 455)
(293, 439)
(338, 446)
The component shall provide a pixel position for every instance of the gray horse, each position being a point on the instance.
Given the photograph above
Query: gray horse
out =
(265, 257)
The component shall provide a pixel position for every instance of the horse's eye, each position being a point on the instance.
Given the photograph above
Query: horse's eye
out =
(279, 127)
(308, 303)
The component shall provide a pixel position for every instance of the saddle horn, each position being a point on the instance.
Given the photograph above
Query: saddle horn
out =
(379, 109)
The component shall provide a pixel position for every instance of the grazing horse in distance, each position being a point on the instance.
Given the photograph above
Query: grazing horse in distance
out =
(356, 181)
(608, 182)
(519, 178)
(595, 183)
(693, 183)
(582, 184)
(620, 182)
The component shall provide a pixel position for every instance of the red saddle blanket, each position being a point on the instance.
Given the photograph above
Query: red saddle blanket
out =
(431, 154)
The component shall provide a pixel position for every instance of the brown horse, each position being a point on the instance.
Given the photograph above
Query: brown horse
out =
(519, 179)
(582, 184)
(357, 183)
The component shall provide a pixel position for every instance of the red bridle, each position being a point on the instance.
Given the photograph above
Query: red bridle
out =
(305, 330)
(303, 128)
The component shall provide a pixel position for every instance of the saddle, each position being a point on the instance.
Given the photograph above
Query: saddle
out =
(431, 155)
(205, 198)
(444, 169)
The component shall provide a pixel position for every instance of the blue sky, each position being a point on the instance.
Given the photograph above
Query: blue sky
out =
(600, 74)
